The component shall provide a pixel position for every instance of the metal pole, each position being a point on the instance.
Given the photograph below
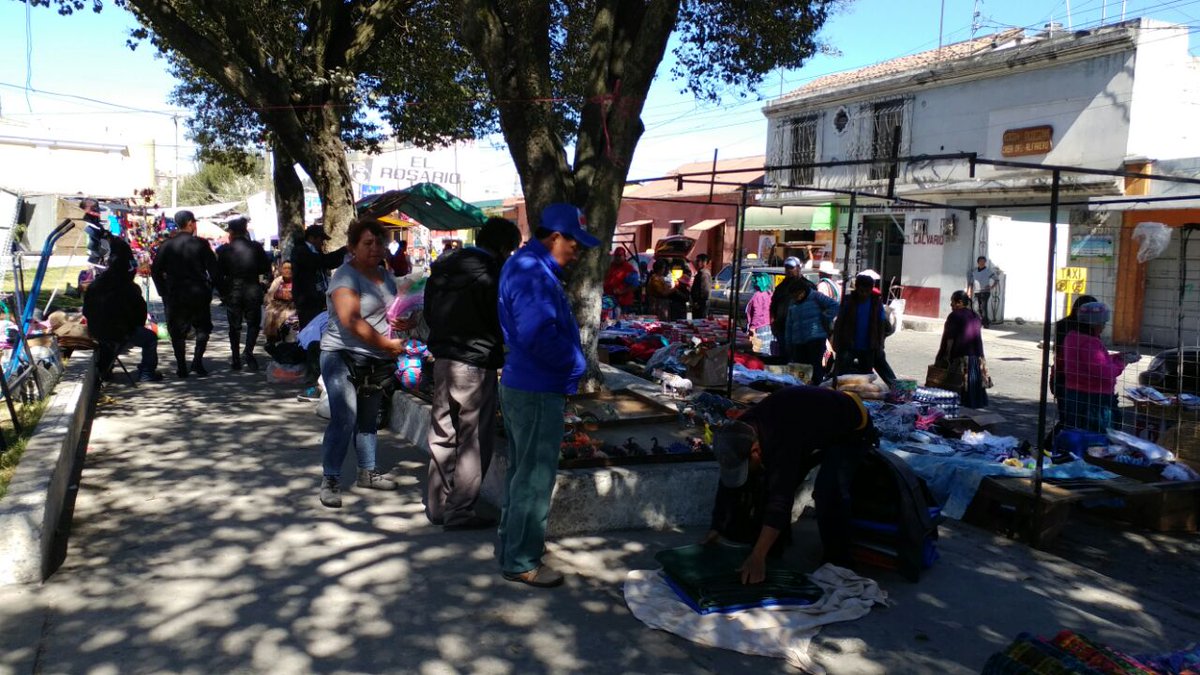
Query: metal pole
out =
(845, 271)
(894, 169)
(175, 176)
(712, 183)
(735, 299)
(1035, 535)
(1185, 233)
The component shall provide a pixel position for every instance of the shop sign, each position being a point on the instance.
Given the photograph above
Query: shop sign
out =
(1071, 280)
(1028, 141)
(1092, 247)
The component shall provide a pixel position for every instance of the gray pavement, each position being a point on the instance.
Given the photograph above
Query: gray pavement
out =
(199, 546)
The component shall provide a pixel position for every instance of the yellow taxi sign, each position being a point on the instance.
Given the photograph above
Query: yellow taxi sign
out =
(1070, 280)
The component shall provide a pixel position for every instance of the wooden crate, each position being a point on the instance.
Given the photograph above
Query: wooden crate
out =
(1005, 504)
(1159, 505)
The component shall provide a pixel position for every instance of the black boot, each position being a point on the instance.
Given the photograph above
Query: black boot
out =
(251, 338)
(198, 359)
(236, 361)
(179, 347)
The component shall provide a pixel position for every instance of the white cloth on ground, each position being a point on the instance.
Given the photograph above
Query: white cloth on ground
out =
(781, 632)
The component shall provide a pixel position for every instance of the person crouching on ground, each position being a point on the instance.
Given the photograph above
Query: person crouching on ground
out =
(961, 351)
(809, 322)
(358, 359)
(468, 347)
(779, 441)
(280, 306)
(1090, 373)
(544, 364)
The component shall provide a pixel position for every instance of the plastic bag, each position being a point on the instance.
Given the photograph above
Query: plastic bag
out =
(280, 373)
(1152, 240)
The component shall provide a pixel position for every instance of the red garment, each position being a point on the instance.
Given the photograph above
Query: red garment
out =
(615, 283)
(400, 264)
(750, 361)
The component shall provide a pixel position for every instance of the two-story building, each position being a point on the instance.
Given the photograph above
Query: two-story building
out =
(1116, 97)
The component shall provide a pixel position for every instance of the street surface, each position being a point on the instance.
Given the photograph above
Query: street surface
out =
(199, 546)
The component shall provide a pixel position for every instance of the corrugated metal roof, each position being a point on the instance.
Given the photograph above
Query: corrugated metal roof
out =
(739, 170)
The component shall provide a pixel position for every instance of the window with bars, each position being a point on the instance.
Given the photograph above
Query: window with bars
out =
(888, 115)
(803, 134)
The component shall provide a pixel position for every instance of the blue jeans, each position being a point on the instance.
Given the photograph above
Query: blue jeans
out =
(352, 418)
(534, 424)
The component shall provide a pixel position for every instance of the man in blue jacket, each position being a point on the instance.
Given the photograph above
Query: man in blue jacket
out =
(544, 363)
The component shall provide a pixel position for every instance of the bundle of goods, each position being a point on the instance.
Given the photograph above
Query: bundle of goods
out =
(1069, 652)
(1122, 448)
(708, 409)
(868, 387)
(410, 364)
(944, 400)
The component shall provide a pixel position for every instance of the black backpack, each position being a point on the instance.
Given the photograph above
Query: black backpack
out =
(894, 515)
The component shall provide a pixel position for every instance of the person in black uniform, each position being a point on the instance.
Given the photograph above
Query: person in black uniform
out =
(185, 272)
(243, 264)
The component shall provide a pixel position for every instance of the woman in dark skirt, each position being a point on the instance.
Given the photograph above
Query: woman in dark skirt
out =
(961, 351)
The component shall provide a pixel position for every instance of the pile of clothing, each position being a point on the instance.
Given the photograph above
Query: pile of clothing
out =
(1070, 652)
(868, 387)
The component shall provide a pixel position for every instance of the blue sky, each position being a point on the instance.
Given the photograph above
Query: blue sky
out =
(85, 55)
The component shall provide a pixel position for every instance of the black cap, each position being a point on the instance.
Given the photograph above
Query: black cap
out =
(183, 218)
(237, 225)
(316, 231)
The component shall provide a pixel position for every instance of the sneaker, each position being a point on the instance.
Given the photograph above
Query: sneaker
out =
(542, 576)
(251, 363)
(310, 395)
(373, 480)
(331, 492)
(149, 376)
(198, 368)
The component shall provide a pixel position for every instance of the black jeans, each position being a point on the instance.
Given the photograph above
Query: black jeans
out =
(244, 303)
(831, 492)
(982, 300)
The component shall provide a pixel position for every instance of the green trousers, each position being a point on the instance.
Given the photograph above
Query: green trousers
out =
(533, 422)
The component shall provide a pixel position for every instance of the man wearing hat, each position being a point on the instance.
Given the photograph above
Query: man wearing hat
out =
(784, 294)
(776, 443)
(543, 365)
(185, 272)
(244, 264)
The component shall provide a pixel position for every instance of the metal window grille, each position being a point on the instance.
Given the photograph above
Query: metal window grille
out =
(803, 131)
(887, 115)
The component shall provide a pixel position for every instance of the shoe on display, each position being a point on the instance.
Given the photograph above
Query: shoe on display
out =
(373, 480)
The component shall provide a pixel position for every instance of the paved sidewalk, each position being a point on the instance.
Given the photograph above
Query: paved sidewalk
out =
(199, 546)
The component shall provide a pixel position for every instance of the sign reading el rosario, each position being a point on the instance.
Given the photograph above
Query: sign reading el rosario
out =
(1028, 141)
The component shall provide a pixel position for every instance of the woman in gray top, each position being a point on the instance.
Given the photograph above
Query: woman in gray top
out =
(358, 355)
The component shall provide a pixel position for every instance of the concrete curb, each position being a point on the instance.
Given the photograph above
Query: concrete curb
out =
(36, 512)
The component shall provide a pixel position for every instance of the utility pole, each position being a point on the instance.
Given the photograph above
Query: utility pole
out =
(175, 174)
(976, 16)
(941, 24)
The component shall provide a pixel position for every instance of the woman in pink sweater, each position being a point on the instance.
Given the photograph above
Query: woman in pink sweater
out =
(758, 310)
(1090, 373)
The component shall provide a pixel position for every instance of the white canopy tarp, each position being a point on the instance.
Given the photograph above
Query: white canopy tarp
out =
(204, 211)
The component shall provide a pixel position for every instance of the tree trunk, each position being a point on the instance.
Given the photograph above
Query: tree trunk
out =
(289, 199)
(319, 150)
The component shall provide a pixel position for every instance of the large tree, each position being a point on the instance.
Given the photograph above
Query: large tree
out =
(577, 72)
(314, 72)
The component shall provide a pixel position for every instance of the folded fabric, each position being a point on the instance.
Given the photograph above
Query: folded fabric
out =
(706, 578)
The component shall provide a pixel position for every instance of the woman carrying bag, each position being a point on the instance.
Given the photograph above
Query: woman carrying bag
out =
(961, 353)
(358, 359)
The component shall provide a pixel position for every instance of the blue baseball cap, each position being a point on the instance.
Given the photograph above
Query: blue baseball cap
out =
(568, 221)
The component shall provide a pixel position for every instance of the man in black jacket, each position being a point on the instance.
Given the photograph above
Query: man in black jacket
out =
(466, 341)
(244, 265)
(116, 313)
(310, 272)
(185, 272)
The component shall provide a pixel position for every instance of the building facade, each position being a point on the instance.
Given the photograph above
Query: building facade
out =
(1111, 98)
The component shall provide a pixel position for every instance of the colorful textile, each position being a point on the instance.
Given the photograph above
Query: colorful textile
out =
(706, 578)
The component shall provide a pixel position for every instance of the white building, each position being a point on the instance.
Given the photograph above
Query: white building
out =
(41, 159)
(1110, 98)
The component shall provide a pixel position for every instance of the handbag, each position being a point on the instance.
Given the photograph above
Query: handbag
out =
(940, 377)
(369, 374)
(984, 375)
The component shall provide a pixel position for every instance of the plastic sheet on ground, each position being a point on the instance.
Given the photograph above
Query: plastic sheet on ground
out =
(955, 480)
(780, 632)
(744, 375)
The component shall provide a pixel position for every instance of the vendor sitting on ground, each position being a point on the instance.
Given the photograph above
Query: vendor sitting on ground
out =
(765, 456)
(1090, 373)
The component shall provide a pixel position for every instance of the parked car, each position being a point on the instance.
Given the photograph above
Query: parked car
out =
(722, 293)
(1163, 371)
